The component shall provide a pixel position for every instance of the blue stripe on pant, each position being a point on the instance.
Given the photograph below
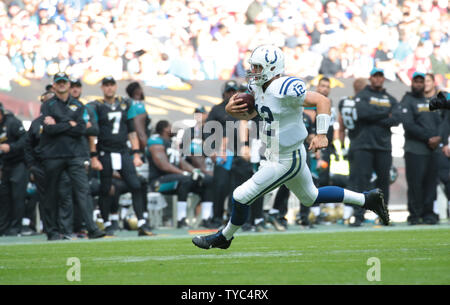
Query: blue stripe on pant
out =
(293, 170)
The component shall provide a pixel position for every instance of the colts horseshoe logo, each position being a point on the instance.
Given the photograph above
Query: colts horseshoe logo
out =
(267, 59)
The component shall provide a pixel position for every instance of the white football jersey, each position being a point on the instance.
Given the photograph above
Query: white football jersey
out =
(281, 108)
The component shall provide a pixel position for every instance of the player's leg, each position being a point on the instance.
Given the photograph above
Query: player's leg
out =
(444, 169)
(382, 166)
(206, 193)
(106, 194)
(5, 201)
(279, 210)
(40, 182)
(222, 188)
(241, 171)
(144, 191)
(415, 167)
(52, 169)
(281, 201)
(19, 181)
(66, 206)
(269, 176)
(360, 162)
(79, 178)
(257, 215)
(303, 187)
(430, 183)
(175, 184)
(129, 175)
(120, 188)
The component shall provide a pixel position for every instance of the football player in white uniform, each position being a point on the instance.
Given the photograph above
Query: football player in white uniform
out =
(279, 100)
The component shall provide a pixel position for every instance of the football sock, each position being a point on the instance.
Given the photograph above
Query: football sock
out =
(207, 208)
(348, 212)
(315, 211)
(354, 197)
(26, 222)
(258, 221)
(336, 194)
(435, 207)
(239, 214)
(141, 222)
(330, 194)
(229, 230)
(181, 210)
(273, 211)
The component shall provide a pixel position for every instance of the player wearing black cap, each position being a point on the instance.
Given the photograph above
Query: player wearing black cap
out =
(62, 147)
(115, 129)
(422, 139)
(371, 150)
(14, 176)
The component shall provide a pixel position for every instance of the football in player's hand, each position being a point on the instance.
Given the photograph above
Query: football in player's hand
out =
(247, 99)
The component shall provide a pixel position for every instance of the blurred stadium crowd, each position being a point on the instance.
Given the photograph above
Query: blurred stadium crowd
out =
(163, 43)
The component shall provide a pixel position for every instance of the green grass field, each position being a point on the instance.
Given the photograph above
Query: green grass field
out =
(407, 255)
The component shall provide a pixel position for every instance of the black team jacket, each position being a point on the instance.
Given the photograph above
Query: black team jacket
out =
(377, 112)
(420, 123)
(12, 133)
(61, 140)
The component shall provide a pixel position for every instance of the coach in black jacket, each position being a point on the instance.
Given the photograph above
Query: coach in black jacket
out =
(63, 148)
(423, 130)
(14, 179)
(370, 149)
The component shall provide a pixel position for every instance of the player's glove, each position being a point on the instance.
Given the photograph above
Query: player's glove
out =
(441, 101)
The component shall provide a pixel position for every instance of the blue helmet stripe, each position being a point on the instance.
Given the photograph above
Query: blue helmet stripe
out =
(287, 79)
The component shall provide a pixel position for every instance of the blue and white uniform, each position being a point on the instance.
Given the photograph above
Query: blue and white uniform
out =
(283, 132)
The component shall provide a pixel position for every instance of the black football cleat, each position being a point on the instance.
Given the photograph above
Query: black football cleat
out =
(145, 231)
(273, 219)
(216, 240)
(109, 231)
(375, 203)
(96, 234)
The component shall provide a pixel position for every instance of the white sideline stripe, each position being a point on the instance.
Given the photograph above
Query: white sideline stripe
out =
(344, 229)
(133, 259)
(234, 255)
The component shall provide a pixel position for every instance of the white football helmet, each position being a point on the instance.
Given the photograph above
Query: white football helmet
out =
(270, 58)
